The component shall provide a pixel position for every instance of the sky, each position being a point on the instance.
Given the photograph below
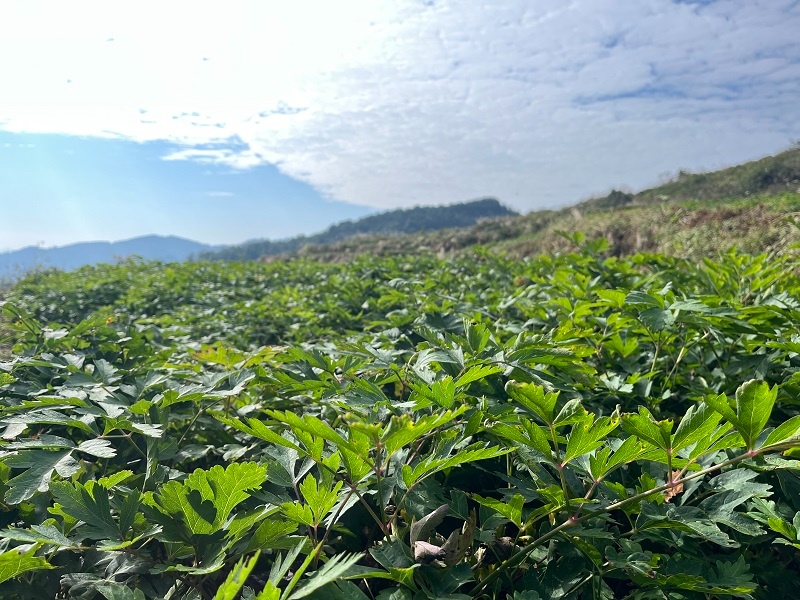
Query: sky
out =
(229, 121)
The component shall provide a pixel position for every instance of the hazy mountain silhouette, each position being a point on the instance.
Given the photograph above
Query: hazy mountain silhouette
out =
(150, 247)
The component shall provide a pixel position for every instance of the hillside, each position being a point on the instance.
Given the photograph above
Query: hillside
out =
(752, 206)
(403, 221)
(151, 247)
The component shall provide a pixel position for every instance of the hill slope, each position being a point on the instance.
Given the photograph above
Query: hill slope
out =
(752, 206)
(403, 221)
(152, 247)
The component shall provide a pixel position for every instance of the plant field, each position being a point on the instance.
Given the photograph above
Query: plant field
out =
(576, 427)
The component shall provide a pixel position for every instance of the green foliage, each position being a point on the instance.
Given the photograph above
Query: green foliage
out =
(575, 426)
(393, 222)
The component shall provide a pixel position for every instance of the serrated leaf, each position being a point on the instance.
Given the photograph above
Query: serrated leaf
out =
(698, 423)
(88, 503)
(119, 591)
(321, 499)
(39, 534)
(272, 534)
(206, 499)
(428, 466)
(604, 461)
(657, 319)
(115, 479)
(336, 567)
(639, 297)
(98, 447)
(588, 435)
(476, 373)
(259, 430)
(313, 425)
(528, 434)
(236, 579)
(13, 563)
(646, 428)
(534, 399)
(754, 402)
(41, 464)
(788, 431)
(442, 391)
(511, 510)
(402, 430)
(572, 412)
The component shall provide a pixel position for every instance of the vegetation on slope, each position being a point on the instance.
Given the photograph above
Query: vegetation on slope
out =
(395, 222)
(690, 230)
(751, 207)
(769, 176)
(578, 426)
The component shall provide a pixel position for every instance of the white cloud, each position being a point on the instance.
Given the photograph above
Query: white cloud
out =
(391, 104)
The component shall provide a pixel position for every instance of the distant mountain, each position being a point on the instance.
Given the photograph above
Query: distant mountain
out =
(151, 247)
(395, 222)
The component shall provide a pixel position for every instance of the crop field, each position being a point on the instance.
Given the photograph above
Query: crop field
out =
(576, 426)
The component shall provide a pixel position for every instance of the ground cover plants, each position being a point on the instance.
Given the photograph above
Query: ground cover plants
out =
(577, 426)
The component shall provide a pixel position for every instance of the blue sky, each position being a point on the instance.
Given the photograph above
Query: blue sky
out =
(63, 188)
(223, 122)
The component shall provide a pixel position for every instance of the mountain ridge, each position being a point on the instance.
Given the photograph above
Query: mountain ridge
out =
(393, 222)
(166, 248)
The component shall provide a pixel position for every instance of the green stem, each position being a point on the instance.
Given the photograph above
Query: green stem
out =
(521, 554)
(560, 468)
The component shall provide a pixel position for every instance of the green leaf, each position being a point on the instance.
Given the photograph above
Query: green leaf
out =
(476, 373)
(788, 431)
(106, 372)
(272, 534)
(511, 510)
(111, 480)
(754, 402)
(646, 428)
(604, 462)
(588, 435)
(119, 591)
(206, 499)
(13, 563)
(40, 467)
(39, 534)
(698, 423)
(657, 319)
(534, 399)
(227, 487)
(312, 425)
(99, 448)
(615, 298)
(258, 429)
(321, 498)
(572, 412)
(88, 503)
(429, 465)
(402, 431)
(723, 406)
(336, 568)
(236, 579)
(526, 433)
(639, 297)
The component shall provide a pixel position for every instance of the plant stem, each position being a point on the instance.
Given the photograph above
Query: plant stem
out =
(521, 554)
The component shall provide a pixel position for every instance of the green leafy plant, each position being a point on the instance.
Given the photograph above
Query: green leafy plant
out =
(574, 426)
